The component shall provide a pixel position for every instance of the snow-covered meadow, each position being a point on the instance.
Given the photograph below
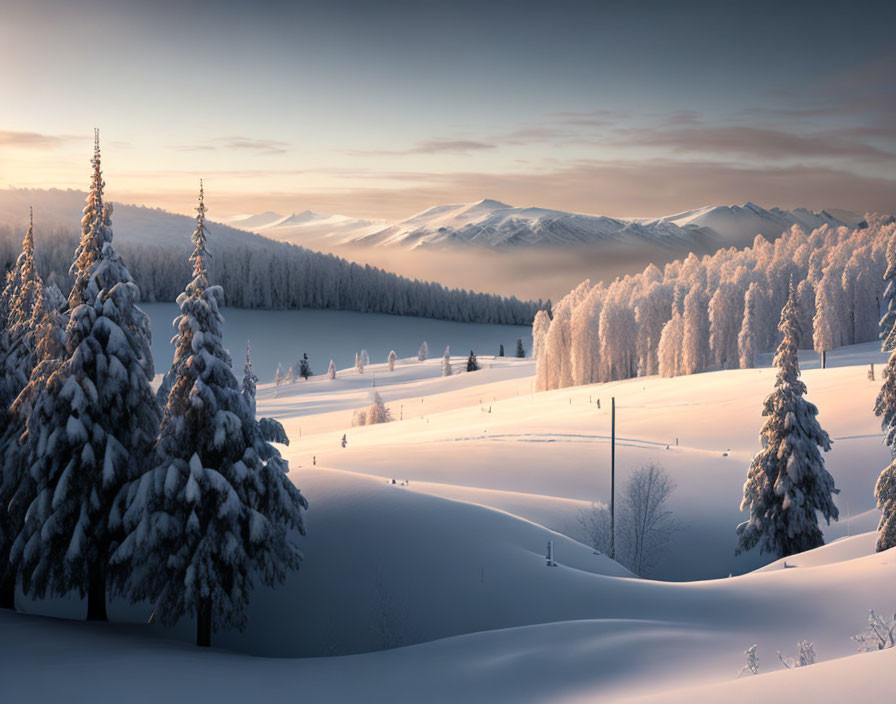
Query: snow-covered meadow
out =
(449, 560)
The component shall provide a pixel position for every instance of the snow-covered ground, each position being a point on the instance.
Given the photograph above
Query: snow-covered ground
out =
(451, 564)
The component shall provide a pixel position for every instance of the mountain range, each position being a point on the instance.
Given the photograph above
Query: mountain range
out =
(494, 225)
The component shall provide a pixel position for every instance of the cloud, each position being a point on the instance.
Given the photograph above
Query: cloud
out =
(262, 146)
(437, 145)
(753, 142)
(33, 140)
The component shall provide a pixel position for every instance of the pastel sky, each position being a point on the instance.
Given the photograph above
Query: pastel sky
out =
(386, 108)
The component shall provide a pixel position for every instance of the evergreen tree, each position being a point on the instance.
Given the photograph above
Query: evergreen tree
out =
(331, 371)
(392, 358)
(93, 234)
(213, 515)
(885, 490)
(787, 483)
(888, 321)
(93, 427)
(446, 362)
(501, 351)
(423, 352)
(17, 487)
(520, 350)
(250, 381)
(305, 367)
(472, 363)
(22, 294)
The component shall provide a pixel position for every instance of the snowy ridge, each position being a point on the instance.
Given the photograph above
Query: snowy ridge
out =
(492, 224)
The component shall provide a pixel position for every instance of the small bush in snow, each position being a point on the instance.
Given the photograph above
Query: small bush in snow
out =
(880, 635)
(752, 665)
(806, 656)
(375, 413)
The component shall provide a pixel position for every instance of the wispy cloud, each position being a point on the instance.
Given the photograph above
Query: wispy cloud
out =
(753, 142)
(261, 146)
(33, 140)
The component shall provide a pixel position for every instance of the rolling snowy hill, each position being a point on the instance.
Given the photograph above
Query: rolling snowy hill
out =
(494, 225)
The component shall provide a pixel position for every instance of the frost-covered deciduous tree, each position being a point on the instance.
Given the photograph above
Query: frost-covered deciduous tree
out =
(725, 318)
(423, 352)
(446, 362)
(214, 514)
(391, 360)
(746, 338)
(695, 333)
(829, 313)
(539, 330)
(331, 370)
(787, 483)
(93, 426)
(670, 345)
(880, 634)
(362, 359)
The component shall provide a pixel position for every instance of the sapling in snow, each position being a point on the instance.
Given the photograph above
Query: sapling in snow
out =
(331, 371)
(392, 358)
(880, 634)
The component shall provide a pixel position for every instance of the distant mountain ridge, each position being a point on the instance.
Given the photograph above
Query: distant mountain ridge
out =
(494, 225)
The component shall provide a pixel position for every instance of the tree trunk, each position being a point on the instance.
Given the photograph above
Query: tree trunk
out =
(8, 592)
(96, 594)
(204, 624)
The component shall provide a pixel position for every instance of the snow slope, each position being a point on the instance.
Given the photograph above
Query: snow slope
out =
(453, 560)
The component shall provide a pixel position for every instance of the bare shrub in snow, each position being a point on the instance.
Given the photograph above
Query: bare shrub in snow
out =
(752, 665)
(806, 656)
(880, 634)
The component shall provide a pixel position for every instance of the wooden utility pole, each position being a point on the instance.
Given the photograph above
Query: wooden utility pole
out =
(613, 478)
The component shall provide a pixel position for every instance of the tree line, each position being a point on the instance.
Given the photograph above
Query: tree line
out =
(720, 311)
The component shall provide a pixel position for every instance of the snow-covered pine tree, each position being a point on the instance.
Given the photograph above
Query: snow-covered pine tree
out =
(888, 321)
(17, 486)
(96, 426)
(364, 358)
(446, 362)
(16, 348)
(90, 247)
(250, 381)
(305, 367)
(885, 489)
(331, 371)
(423, 352)
(501, 351)
(520, 350)
(787, 483)
(391, 360)
(214, 515)
(472, 363)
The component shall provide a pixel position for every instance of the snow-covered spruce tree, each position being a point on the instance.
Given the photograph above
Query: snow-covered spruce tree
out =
(423, 352)
(250, 381)
(331, 371)
(787, 483)
(520, 350)
(21, 295)
(472, 363)
(17, 486)
(97, 421)
(391, 360)
(885, 489)
(214, 514)
(446, 362)
(305, 367)
(888, 321)
(90, 247)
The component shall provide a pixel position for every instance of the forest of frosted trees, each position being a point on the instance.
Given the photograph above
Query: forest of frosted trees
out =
(268, 274)
(719, 311)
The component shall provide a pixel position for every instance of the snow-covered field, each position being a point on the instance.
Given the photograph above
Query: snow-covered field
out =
(283, 336)
(449, 560)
